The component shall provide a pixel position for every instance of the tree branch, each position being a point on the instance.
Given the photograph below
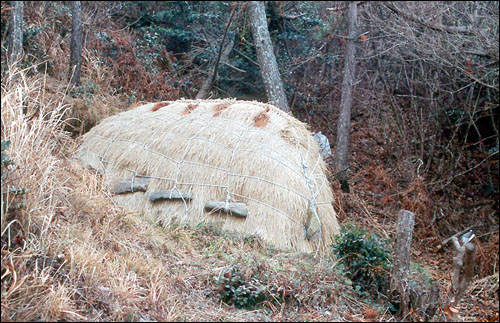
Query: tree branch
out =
(206, 86)
(336, 9)
(290, 17)
(450, 29)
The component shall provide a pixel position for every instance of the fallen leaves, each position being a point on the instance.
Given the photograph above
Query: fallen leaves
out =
(370, 313)
(219, 108)
(190, 108)
(158, 106)
(493, 318)
(450, 311)
(261, 119)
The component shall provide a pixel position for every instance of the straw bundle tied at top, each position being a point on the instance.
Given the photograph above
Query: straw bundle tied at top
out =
(220, 150)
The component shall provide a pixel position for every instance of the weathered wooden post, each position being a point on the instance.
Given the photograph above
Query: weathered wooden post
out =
(401, 265)
(463, 267)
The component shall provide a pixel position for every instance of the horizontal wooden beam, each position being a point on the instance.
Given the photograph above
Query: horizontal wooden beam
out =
(173, 194)
(236, 209)
(136, 184)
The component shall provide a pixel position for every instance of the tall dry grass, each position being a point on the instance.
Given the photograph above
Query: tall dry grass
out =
(60, 238)
(70, 253)
(32, 122)
(34, 129)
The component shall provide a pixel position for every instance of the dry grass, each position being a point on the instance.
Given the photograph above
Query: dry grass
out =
(33, 128)
(72, 254)
(273, 166)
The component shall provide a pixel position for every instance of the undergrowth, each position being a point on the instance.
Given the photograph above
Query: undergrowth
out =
(243, 292)
(365, 258)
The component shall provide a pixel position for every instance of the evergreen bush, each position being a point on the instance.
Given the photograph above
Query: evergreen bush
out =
(365, 258)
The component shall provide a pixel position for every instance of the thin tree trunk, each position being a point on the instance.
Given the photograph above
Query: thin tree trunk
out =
(265, 54)
(15, 50)
(75, 61)
(222, 57)
(344, 121)
(209, 81)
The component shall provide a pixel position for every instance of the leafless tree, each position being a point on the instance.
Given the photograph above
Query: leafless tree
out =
(265, 54)
(75, 62)
(15, 32)
(224, 51)
(344, 120)
(438, 60)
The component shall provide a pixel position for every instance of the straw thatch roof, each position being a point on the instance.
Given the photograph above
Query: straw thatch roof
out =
(259, 168)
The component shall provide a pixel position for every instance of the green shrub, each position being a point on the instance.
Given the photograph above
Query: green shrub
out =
(6, 161)
(365, 258)
(9, 201)
(240, 291)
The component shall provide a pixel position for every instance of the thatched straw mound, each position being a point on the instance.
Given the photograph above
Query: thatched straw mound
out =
(218, 150)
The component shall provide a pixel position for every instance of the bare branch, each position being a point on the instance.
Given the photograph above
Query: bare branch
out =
(336, 9)
(450, 29)
(202, 94)
(290, 17)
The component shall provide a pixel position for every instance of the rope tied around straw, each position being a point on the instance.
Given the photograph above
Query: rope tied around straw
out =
(225, 159)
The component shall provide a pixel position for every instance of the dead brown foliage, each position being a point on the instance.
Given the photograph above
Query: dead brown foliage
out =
(129, 73)
(220, 107)
(261, 119)
(158, 106)
(190, 108)
(416, 199)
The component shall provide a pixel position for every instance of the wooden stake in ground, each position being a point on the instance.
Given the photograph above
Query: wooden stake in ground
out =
(401, 264)
(463, 268)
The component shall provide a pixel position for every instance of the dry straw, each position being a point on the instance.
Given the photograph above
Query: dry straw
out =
(228, 151)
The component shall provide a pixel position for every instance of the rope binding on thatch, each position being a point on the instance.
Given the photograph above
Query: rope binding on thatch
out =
(204, 158)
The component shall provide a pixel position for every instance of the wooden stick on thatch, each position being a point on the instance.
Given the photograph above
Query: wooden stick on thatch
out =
(135, 184)
(400, 268)
(173, 194)
(237, 209)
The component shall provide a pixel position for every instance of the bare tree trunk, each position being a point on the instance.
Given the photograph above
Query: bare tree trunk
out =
(222, 57)
(15, 50)
(265, 54)
(401, 265)
(209, 81)
(344, 121)
(75, 61)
